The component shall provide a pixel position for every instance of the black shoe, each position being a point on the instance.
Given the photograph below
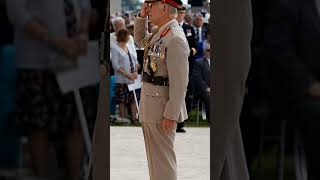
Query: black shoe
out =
(181, 130)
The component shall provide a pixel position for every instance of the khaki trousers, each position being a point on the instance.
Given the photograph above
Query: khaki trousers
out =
(160, 151)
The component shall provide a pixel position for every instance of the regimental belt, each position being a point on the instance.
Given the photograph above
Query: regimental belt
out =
(155, 80)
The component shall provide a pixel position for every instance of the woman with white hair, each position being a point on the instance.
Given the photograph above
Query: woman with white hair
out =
(118, 23)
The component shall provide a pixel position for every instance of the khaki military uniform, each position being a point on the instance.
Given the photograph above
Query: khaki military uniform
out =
(166, 56)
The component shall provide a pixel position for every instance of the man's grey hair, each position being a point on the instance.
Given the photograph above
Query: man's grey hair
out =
(117, 19)
(199, 15)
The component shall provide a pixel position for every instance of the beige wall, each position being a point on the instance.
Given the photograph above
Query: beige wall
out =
(115, 6)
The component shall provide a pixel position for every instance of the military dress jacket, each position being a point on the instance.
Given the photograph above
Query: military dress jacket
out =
(166, 55)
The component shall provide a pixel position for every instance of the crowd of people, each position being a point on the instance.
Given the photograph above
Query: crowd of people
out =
(196, 28)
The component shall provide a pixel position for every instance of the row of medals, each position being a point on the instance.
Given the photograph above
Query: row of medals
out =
(155, 52)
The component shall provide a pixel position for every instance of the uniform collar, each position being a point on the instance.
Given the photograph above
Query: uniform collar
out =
(169, 24)
(164, 28)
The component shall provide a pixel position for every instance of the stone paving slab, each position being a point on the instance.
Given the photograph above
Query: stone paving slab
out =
(128, 159)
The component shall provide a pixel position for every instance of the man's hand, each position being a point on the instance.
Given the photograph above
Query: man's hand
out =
(144, 10)
(168, 125)
(314, 89)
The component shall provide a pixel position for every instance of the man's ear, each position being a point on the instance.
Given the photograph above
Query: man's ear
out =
(163, 7)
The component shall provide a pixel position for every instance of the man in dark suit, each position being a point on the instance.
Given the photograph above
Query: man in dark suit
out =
(190, 35)
(201, 78)
(200, 34)
(291, 42)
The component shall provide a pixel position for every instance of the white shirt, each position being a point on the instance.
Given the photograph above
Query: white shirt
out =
(199, 32)
(180, 24)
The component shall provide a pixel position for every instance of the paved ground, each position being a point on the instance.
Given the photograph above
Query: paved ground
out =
(128, 155)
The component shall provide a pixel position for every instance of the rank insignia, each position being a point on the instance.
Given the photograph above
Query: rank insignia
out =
(165, 32)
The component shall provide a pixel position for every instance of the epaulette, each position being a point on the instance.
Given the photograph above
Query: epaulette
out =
(165, 32)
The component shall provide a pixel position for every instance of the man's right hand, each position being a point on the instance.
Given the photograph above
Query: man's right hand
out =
(144, 10)
(314, 89)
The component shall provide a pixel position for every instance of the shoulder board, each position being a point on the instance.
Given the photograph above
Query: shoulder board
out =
(165, 32)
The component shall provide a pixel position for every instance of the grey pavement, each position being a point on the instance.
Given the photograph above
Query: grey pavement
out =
(128, 159)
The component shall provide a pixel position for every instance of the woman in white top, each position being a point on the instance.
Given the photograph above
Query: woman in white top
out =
(125, 65)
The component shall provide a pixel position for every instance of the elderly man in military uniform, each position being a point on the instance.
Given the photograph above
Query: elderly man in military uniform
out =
(165, 80)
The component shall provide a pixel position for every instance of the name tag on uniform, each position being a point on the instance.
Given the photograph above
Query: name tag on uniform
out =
(189, 32)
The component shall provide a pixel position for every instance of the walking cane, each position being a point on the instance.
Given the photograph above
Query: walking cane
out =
(98, 168)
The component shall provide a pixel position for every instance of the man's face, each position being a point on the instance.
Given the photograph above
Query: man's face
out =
(154, 12)
(181, 16)
(198, 22)
(119, 25)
